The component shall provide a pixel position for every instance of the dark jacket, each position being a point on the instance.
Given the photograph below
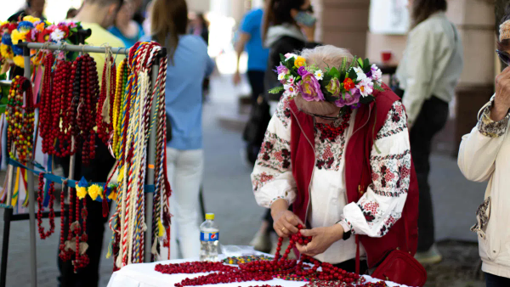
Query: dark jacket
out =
(285, 44)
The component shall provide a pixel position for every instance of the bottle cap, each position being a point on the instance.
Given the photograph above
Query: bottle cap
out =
(209, 216)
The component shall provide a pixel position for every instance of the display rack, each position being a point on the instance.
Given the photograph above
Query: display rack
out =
(151, 151)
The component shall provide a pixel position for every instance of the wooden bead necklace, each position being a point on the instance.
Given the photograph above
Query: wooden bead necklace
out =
(40, 198)
(20, 119)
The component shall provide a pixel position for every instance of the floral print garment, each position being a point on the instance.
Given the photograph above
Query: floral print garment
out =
(490, 128)
(381, 205)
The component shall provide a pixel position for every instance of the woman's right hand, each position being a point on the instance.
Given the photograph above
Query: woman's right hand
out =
(285, 221)
(502, 99)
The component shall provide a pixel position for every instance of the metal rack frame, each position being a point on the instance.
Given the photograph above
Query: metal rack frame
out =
(8, 215)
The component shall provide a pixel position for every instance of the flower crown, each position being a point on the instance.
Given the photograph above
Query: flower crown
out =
(347, 86)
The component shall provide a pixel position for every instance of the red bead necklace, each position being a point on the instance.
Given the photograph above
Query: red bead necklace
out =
(330, 131)
(107, 94)
(42, 233)
(262, 270)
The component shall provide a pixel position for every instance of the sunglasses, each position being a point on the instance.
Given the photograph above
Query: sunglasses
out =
(504, 57)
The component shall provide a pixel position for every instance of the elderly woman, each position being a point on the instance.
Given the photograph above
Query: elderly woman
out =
(337, 149)
(484, 156)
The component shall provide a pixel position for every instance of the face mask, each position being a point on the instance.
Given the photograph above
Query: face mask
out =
(305, 18)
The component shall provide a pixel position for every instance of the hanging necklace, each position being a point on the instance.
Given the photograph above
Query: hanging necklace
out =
(40, 198)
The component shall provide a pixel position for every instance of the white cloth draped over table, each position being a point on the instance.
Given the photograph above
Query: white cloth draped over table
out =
(144, 275)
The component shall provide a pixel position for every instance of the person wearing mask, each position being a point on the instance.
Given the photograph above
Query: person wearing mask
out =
(428, 73)
(96, 15)
(250, 39)
(125, 28)
(288, 26)
(33, 8)
(188, 65)
(483, 156)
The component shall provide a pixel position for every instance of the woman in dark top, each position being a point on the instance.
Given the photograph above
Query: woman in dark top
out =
(288, 27)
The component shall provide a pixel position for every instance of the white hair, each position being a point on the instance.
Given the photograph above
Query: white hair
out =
(322, 57)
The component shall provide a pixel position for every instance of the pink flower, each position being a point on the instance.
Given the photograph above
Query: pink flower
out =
(310, 88)
(348, 99)
(365, 86)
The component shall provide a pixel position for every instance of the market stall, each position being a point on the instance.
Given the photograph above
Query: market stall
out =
(126, 112)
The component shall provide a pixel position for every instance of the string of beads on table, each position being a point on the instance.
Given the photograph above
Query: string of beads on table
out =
(314, 272)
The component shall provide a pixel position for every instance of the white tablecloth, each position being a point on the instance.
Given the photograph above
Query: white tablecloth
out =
(143, 275)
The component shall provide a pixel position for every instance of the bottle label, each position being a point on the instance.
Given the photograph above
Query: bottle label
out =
(209, 236)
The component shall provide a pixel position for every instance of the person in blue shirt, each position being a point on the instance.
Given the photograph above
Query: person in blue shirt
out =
(125, 28)
(250, 39)
(188, 65)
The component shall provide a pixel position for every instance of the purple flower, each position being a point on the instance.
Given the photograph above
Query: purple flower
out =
(281, 69)
(302, 71)
(349, 99)
(310, 88)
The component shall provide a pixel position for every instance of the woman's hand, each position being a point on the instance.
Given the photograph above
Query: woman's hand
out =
(322, 238)
(502, 99)
(285, 221)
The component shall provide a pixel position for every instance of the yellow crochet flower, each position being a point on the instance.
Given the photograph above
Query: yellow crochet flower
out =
(16, 36)
(31, 19)
(299, 62)
(112, 195)
(81, 192)
(19, 61)
(6, 51)
(95, 191)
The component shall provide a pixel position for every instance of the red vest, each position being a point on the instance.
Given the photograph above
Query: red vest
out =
(357, 172)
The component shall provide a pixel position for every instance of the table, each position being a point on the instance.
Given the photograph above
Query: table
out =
(143, 275)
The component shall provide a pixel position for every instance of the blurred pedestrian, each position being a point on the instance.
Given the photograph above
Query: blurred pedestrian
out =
(288, 27)
(200, 27)
(96, 15)
(483, 156)
(125, 28)
(188, 65)
(428, 74)
(33, 8)
(250, 40)
(71, 13)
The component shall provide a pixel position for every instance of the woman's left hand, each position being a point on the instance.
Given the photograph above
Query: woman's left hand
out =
(322, 238)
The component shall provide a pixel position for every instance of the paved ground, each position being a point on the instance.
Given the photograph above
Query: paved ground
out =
(227, 192)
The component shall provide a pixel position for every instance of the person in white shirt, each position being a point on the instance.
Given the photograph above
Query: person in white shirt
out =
(483, 156)
(428, 73)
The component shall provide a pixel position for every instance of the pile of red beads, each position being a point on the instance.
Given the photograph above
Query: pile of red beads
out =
(264, 270)
(193, 267)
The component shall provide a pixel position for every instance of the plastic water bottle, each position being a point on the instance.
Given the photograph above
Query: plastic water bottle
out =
(209, 239)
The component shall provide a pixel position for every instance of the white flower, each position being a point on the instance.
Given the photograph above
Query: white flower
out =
(291, 89)
(291, 80)
(360, 74)
(281, 76)
(365, 86)
(319, 75)
(57, 35)
(376, 74)
(290, 55)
